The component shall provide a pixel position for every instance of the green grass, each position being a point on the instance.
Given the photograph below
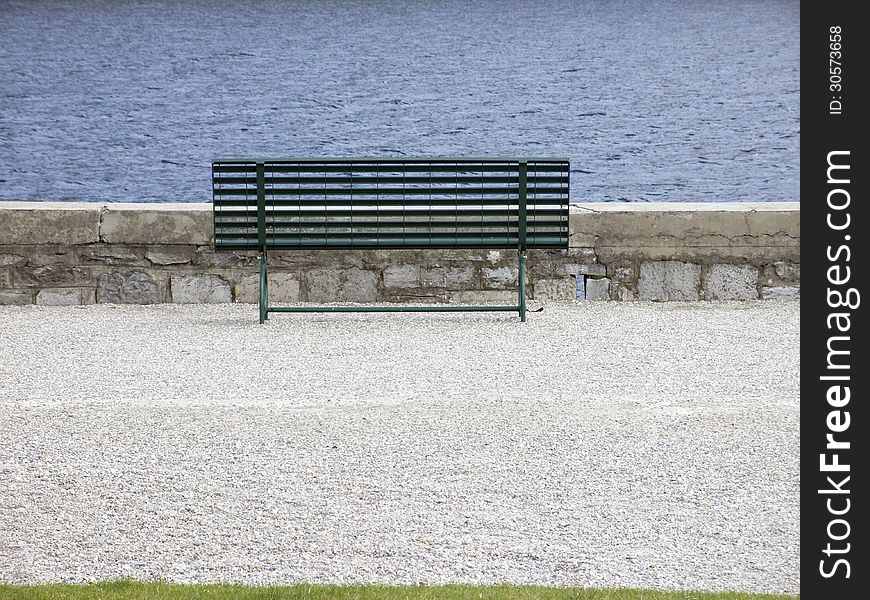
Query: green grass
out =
(131, 590)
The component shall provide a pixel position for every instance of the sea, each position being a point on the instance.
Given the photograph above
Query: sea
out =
(673, 100)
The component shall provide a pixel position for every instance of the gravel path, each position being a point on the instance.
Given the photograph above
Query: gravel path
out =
(599, 444)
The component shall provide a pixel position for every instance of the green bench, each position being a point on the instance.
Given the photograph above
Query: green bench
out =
(390, 203)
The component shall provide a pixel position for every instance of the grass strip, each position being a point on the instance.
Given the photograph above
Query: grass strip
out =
(134, 590)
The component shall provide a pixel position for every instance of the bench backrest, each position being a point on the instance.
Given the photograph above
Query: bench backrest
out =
(391, 203)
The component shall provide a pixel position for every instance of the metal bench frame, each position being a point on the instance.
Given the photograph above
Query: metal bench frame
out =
(262, 240)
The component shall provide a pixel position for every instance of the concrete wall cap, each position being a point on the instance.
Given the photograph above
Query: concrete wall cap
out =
(653, 224)
(21, 205)
(159, 206)
(163, 223)
(670, 207)
(49, 222)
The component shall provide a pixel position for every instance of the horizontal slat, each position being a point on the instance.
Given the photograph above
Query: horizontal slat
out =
(385, 232)
(288, 242)
(252, 224)
(372, 212)
(391, 168)
(389, 159)
(551, 218)
(363, 179)
(381, 235)
(469, 204)
(423, 211)
(467, 190)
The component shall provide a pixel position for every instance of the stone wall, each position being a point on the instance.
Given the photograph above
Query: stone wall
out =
(82, 253)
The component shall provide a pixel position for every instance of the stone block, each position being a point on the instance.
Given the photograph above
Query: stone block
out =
(500, 277)
(170, 256)
(205, 257)
(157, 224)
(598, 288)
(284, 288)
(199, 289)
(402, 276)
(622, 291)
(787, 271)
(458, 257)
(596, 269)
(277, 258)
(358, 285)
(64, 296)
(780, 274)
(58, 275)
(247, 290)
(40, 256)
(323, 284)
(65, 223)
(338, 259)
(625, 274)
(732, 282)
(448, 277)
(342, 285)
(484, 297)
(16, 298)
(129, 287)
(556, 290)
(12, 260)
(111, 254)
(781, 293)
(669, 280)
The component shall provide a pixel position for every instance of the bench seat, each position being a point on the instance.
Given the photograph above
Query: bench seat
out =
(411, 203)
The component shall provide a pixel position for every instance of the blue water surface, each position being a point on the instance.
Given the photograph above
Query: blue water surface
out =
(109, 100)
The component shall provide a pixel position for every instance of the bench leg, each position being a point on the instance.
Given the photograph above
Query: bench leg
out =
(522, 283)
(266, 283)
(263, 296)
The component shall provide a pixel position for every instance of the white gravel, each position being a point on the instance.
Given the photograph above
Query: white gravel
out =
(599, 444)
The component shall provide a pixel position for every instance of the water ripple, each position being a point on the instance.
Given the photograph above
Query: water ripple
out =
(115, 100)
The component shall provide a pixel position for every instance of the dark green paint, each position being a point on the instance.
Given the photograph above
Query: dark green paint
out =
(261, 207)
(395, 203)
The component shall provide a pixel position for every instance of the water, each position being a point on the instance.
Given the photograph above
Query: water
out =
(125, 101)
